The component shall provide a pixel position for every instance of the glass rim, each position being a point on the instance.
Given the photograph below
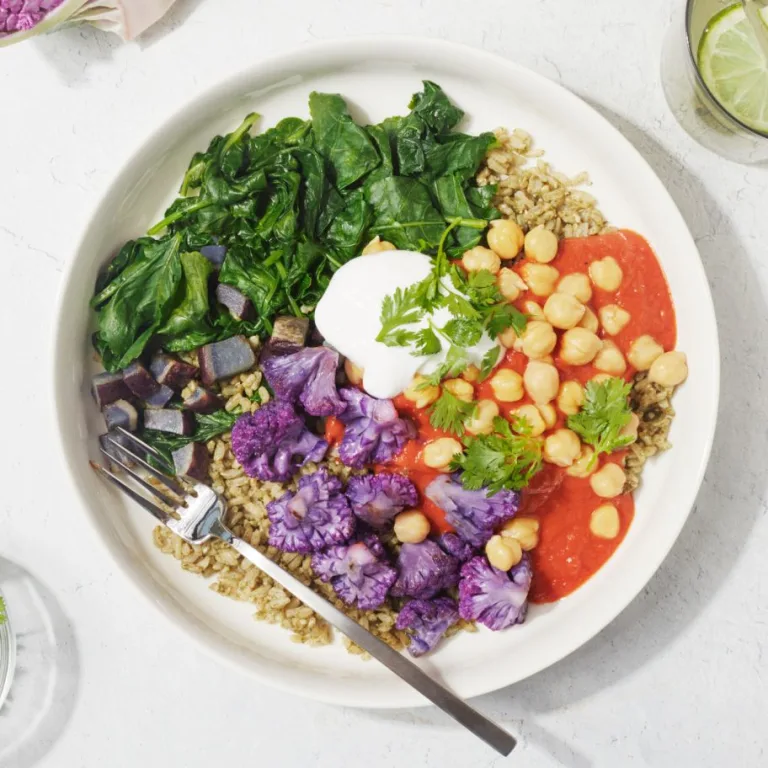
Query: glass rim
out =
(688, 14)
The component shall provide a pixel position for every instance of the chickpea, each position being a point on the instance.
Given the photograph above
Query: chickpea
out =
(478, 258)
(412, 526)
(570, 398)
(505, 238)
(614, 318)
(539, 339)
(669, 370)
(583, 466)
(377, 245)
(354, 372)
(609, 359)
(549, 414)
(503, 553)
(541, 245)
(604, 522)
(599, 378)
(630, 430)
(421, 397)
(438, 453)
(541, 381)
(533, 418)
(524, 529)
(481, 421)
(540, 278)
(509, 338)
(589, 321)
(510, 284)
(562, 448)
(461, 389)
(534, 311)
(577, 285)
(471, 374)
(579, 346)
(563, 311)
(507, 386)
(643, 351)
(606, 273)
(608, 481)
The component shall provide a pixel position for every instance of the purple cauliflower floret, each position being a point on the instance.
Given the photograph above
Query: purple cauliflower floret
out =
(473, 514)
(376, 499)
(426, 621)
(374, 432)
(495, 598)
(423, 570)
(357, 572)
(316, 516)
(308, 376)
(456, 546)
(273, 442)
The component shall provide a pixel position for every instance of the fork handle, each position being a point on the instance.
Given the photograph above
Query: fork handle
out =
(405, 669)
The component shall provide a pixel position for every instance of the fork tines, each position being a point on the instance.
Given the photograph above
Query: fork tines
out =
(124, 450)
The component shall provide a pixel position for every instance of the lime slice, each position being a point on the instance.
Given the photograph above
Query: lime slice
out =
(734, 68)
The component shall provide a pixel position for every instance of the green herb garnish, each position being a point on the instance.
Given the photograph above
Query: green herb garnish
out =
(3, 612)
(506, 459)
(603, 415)
(450, 414)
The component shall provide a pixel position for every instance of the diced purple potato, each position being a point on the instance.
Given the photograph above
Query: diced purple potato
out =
(289, 333)
(238, 304)
(214, 253)
(223, 359)
(202, 400)
(159, 399)
(192, 460)
(140, 381)
(107, 387)
(121, 413)
(170, 420)
(171, 372)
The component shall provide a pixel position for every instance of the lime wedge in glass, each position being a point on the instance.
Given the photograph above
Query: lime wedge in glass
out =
(734, 68)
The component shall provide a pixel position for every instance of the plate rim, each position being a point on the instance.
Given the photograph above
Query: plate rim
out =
(362, 47)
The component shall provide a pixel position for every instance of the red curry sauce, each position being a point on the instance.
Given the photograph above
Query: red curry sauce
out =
(567, 553)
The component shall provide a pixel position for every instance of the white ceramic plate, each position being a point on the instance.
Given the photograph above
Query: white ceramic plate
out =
(377, 77)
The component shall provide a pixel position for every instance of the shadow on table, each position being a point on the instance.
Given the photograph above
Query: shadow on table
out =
(73, 51)
(726, 508)
(47, 675)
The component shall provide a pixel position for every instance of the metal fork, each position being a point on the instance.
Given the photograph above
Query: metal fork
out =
(196, 513)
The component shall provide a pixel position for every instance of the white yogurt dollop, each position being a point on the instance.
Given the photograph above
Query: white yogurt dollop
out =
(348, 317)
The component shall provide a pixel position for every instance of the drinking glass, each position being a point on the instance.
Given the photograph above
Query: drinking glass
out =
(688, 96)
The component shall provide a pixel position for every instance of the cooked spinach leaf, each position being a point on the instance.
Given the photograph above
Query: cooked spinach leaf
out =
(290, 205)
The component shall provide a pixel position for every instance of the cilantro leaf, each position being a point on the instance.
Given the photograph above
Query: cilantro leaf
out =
(504, 316)
(455, 362)
(449, 413)
(403, 307)
(603, 415)
(490, 359)
(463, 331)
(426, 342)
(508, 458)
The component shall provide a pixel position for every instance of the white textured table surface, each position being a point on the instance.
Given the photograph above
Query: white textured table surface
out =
(679, 679)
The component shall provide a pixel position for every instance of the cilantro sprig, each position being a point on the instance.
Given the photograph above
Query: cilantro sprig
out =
(450, 414)
(506, 459)
(603, 415)
(475, 303)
